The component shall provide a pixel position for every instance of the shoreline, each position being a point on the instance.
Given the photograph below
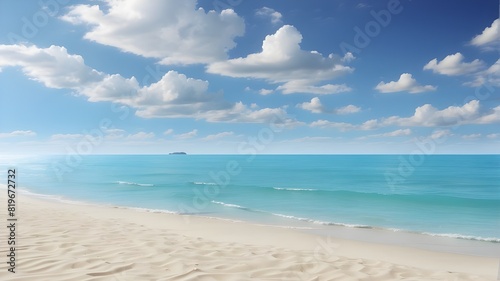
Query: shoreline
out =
(68, 225)
(371, 234)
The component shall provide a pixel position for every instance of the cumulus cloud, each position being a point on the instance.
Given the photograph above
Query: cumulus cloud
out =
(52, 66)
(15, 134)
(172, 31)
(315, 106)
(406, 83)
(490, 76)
(269, 13)
(283, 61)
(489, 38)
(265, 92)
(348, 109)
(218, 136)
(429, 116)
(173, 96)
(453, 65)
(425, 116)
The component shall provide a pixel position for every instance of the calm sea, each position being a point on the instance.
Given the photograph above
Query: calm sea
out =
(449, 195)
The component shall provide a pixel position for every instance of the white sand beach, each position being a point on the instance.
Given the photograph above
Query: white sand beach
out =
(64, 241)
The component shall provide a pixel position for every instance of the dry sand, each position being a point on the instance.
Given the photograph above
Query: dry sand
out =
(63, 241)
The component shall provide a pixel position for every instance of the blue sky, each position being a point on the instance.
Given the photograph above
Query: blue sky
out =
(237, 76)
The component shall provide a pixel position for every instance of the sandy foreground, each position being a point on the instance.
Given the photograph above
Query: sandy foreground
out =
(63, 241)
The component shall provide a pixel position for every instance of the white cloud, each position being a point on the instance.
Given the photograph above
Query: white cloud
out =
(114, 134)
(60, 137)
(52, 66)
(490, 37)
(265, 92)
(173, 96)
(308, 139)
(440, 134)
(175, 32)
(270, 13)
(493, 116)
(348, 57)
(396, 133)
(348, 109)
(315, 106)
(168, 132)
(425, 116)
(493, 136)
(429, 116)
(282, 61)
(141, 136)
(406, 83)
(454, 65)
(343, 126)
(188, 135)
(218, 136)
(490, 76)
(302, 86)
(15, 134)
(471, 136)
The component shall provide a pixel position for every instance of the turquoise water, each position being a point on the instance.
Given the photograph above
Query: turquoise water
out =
(449, 195)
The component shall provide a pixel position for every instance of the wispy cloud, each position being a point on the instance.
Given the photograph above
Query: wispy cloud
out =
(218, 136)
(188, 135)
(15, 134)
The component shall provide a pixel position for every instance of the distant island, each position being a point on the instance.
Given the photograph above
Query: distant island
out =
(177, 153)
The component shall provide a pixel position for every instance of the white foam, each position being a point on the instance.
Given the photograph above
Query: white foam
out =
(294, 189)
(466, 237)
(204, 183)
(228, 205)
(322, 222)
(161, 211)
(134, 183)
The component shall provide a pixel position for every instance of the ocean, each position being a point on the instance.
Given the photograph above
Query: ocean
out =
(440, 195)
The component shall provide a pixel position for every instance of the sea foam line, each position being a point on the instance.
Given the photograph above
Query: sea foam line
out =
(203, 183)
(294, 189)
(229, 205)
(322, 222)
(289, 216)
(134, 183)
(465, 237)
